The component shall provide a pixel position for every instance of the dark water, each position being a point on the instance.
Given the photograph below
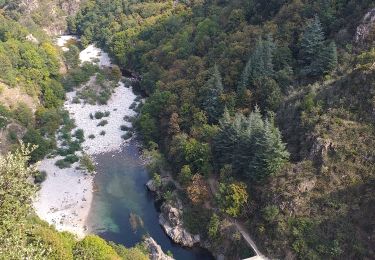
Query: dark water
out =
(121, 191)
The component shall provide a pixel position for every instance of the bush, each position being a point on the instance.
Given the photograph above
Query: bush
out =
(71, 158)
(125, 128)
(62, 164)
(102, 132)
(40, 176)
(94, 247)
(79, 135)
(87, 163)
(196, 219)
(91, 136)
(102, 123)
(127, 136)
(99, 115)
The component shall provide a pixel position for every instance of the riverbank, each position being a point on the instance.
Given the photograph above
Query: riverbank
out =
(65, 197)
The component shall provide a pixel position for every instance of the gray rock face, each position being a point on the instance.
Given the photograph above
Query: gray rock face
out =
(367, 25)
(171, 220)
(156, 253)
(151, 186)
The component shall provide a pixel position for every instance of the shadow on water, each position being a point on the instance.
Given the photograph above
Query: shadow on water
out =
(122, 199)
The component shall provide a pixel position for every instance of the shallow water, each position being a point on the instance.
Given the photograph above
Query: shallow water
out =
(121, 190)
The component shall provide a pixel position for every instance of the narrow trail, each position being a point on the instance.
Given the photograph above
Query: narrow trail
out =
(214, 187)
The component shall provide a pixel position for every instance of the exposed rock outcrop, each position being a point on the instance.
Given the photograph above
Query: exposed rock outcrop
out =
(155, 251)
(366, 27)
(320, 149)
(170, 219)
(151, 186)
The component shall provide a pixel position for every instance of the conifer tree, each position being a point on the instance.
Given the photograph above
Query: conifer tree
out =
(252, 146)
(259, 64)
(270, 153)
(330, 57)
(212, 103)
(315, 56)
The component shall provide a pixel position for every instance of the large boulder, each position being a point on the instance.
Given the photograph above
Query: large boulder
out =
(155, 251)
(151, 186)
(170, 219)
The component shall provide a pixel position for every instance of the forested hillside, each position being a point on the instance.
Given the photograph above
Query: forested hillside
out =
(273, 100)
(31, 97)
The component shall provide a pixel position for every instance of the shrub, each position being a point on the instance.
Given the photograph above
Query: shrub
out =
(94, 247)
(102, 123)
(91, 136)
(196, 219)
(62, 164)
(133, 105)
(125, 128)
(79, 135)
(71, 158)
(102, 132)
(107, 113)
(127, 136)
(270, 213)
(99, 115)
(87, 163)
(40, 176)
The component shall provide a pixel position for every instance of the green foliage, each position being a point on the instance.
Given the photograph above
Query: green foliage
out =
(251, 145)
(15, 203)
(232, 198)
(23, 114)
(93, 247)
(102, 123)
(87, 163)
(157, 180)
(196, 219)
(134, 253)
(43, 145)
(212, 103)
(315, 57)
(185, 175)
(40, 176)
(213, 227)
(270, 213)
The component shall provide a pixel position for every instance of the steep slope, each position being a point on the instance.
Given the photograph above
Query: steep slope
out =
(308, 69)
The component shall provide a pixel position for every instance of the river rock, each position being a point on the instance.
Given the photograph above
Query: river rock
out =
(170, 219)
(151, 186)
(155, 251)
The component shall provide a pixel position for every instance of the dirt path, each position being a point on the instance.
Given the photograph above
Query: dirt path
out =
(214, 187)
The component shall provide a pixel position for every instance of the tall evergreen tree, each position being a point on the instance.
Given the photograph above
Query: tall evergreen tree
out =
(270, 153)
(316, 57)
(252, 146)
(259, 64)
(330, 57)
(212, 104)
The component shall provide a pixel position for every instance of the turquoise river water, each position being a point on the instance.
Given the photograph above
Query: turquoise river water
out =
(120, 192)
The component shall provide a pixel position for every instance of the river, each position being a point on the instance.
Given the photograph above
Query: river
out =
(120, 184)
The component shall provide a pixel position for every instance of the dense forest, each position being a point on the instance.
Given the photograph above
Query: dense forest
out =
(271, 99)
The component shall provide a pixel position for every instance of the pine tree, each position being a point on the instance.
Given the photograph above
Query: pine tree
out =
(212, 103)
(225, 140)
(316, 56)
(330, 57)
(260, 63)
(312, 48)
(270, 153)
(252, 146)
